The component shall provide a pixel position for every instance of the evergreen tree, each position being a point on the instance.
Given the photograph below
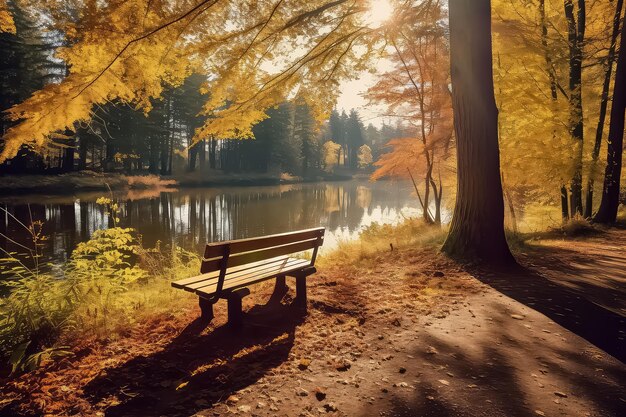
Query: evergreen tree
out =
(354, 139)
(304, 132)
(337, 131)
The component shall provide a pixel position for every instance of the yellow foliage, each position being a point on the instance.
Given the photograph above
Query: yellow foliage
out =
(6, 20)
(365, 156)
(255, 55)
(538, 154)
(331, 154)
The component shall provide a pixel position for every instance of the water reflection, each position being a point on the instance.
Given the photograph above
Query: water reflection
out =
(191, 217)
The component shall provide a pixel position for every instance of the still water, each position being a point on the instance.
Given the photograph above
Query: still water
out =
(191, 217)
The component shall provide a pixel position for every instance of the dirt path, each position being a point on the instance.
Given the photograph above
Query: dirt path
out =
(407, 333)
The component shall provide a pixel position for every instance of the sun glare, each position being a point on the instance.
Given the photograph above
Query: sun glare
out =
(380, 11)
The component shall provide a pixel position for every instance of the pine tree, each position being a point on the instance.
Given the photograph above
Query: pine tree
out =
(354, 138)
(304, 131)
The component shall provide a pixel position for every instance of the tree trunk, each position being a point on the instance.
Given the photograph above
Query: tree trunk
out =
(154, 154)
(576, 36)
(607, 213)
(82, 153)
(427, 216)
(192, 154)
(564, 204)
(202, 155)
(604, 100)
(438, 194)
(509, 200)
(68, 157)
(212, 152)
(553, 91)
(477, 229)
(109, 158)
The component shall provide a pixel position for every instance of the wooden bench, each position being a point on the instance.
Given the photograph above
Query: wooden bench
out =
(230, 268)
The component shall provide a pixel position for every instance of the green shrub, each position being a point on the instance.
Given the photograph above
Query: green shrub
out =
(109, 282)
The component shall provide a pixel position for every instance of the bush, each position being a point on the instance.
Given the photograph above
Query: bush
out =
(108, 284)
(577, 226)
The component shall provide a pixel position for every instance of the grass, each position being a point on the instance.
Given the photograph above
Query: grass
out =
(148, 181)
(379, 238)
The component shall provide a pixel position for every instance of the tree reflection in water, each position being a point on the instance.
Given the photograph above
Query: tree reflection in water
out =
(191, 217)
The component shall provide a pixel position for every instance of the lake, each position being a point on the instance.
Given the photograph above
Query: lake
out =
(191, 217)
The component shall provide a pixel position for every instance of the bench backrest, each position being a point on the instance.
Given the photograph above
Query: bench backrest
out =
(222, 255)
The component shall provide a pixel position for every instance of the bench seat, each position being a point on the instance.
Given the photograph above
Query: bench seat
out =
(242, 276)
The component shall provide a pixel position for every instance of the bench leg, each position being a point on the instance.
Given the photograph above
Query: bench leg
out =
(280, 289)
(235, 311)
(206, 309)
(301, 301)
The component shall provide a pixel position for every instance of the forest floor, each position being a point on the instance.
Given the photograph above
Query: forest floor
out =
(403, 333)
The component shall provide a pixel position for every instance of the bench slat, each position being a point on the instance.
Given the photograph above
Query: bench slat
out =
(246, 276)
(258, 268)
(215, 264)
(214, 250)
(181, 283)
(273, 252)
(251, 278)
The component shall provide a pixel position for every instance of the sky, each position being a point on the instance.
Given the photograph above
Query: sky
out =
(351, 97)
(352, 91)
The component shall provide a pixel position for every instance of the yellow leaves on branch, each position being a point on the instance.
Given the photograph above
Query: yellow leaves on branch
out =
(534, 126)
(255, 55)
(98, 76)
(6, 20)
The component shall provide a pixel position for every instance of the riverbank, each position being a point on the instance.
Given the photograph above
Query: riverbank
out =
(85, 181)
(399, 332)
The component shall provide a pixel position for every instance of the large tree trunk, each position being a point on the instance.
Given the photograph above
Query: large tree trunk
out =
(477, 229)
(604, 100)
(607, 213)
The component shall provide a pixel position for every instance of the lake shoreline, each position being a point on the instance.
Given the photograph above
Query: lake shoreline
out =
(91, 181)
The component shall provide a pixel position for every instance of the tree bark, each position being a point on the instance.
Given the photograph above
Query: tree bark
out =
(202, 155)
(553, 91)
(212, 152)
(607, 213)
(477, 229)
(564, 204)
(604, 100)
(576, 36)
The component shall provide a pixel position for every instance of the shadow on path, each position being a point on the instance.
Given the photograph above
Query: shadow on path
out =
(568, 306)
(197, 370)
